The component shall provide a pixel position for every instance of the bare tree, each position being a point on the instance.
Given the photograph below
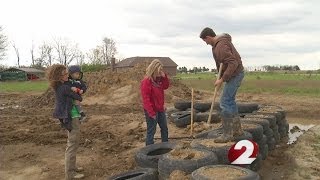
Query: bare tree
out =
(95, 56)
(32, 53)
(66, 51)
(3, 44)
(17, 52)
(108, 50)
(80, 58)
(46, 56)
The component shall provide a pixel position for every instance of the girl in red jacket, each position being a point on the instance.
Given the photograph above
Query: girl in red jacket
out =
(152, 92)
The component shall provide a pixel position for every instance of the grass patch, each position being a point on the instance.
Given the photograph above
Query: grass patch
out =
(290, 83)
(257, 76)
(289, 87)
(23, 86)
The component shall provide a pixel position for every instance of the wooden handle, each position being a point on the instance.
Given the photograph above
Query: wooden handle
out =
(215, 94)
(192, 111)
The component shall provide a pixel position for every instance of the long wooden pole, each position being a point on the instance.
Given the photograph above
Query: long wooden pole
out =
(192, 101)
(215, 94)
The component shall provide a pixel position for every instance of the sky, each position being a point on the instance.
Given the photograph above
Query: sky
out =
(265, 32)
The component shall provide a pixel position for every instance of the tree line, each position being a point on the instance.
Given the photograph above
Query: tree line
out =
(282, 68)
(268, 68)
(61, 50)
(194, 69)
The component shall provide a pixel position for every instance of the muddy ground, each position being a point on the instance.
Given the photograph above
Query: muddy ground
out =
(32, 143)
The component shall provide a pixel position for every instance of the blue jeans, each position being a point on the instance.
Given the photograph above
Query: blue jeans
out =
(152, 124)
(228, 103)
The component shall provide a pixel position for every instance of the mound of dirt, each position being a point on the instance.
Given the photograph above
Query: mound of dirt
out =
(46, 99)
(115, 88)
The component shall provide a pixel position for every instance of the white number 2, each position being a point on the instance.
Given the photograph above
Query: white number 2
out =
(244, 158)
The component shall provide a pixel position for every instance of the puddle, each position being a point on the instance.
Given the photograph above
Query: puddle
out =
(296, 130)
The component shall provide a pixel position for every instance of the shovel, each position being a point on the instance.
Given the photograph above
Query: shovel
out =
(215, 94)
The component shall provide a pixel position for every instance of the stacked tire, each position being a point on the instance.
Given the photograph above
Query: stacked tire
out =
(266, 125)
(223, 172)
(257, 133)
(281, 129)
(194, 159)
(267, 141)
(201, 173)
(269, 131)
(180, 115)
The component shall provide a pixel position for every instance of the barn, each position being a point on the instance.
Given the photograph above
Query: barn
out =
(169, 65)
(21, 74)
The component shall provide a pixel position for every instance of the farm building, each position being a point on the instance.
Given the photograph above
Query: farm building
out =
(21, 74)
(169, 65)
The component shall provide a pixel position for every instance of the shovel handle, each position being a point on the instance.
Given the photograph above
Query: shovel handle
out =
(215, 94)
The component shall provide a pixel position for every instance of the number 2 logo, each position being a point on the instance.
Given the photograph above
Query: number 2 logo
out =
(243, 152)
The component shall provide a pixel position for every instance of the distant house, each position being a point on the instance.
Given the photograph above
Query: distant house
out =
(21, 74)
(169, 65)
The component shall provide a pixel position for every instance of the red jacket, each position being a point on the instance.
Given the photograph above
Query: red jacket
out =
(152, 93)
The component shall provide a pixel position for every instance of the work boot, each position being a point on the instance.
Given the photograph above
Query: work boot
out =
(237, 130)
(227, 135)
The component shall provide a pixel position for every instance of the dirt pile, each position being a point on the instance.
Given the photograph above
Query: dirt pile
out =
(124, 86)
(46, 99)
(117, 88)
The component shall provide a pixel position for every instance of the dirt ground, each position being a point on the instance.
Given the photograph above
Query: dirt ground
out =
(32, 144)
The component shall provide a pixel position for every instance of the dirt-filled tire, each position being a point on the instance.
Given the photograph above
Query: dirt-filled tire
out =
(203, 116)
(171, 110)
(220, 149)
(184, 120)
(247, 107)
(274, 113)
(202, 107)
(242, 115)
(148, 156)
(274, 108)
(218, 132)
(263, 141)
(255, 129)
(271, 144)
(264, 151)
(263, 122)
(268, 133)
(275, 128)
(178, 114)
(256, 164)
(182, 105)
(282, 123)
(277, 137)
(276, 133)
(202, 135)
(169, 163)
(138, 174)
(200, 174)
(283, 132)
(271, 118)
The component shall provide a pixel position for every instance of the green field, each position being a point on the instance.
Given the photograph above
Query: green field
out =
(257, 75)
(262, 82)
(23, 86)
(254, 82)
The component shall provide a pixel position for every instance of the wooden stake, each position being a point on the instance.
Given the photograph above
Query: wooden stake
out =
(215, 94)
(192, 111)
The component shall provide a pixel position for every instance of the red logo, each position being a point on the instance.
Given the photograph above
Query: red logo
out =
(243, 152)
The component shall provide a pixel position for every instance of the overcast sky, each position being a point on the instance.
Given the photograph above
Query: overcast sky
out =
(265, 32)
